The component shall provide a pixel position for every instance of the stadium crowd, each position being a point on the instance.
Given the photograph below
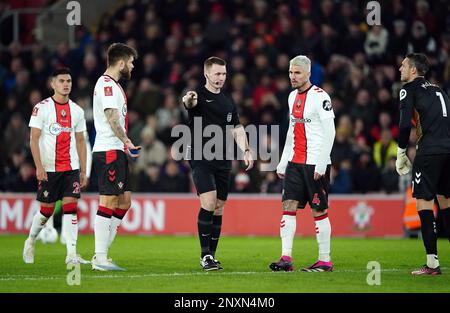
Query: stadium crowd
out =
(355, 63)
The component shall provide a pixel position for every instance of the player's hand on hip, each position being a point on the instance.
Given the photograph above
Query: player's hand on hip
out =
(41, 174)
(248, 160)
(402, 164)
(280, 175)
(319, 171)
(83, 180)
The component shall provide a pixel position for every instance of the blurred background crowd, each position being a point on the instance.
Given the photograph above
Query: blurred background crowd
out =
(355, 63)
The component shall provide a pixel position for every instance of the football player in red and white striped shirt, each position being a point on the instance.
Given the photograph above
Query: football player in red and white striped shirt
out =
(110, 152)
(305, 164)
(59, 152)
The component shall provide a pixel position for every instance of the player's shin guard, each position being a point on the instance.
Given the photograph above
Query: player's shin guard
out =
(116, 220)
(204, 223)
(70, 230)
(323, 236)
(288, 226)
(39, 221)
(429, 236)
(215, 234)
(102, 227)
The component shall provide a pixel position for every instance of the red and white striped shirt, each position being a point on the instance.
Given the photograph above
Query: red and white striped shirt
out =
(58, 123)
(305, 134)
(108, 94)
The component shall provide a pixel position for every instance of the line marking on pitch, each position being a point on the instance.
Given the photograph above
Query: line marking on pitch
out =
(109, 276)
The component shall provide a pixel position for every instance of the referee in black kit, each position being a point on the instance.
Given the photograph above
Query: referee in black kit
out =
(210, 106)
(429, 107)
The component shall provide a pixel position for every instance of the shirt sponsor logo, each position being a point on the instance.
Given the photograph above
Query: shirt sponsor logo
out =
(56, 129)
(300, 120)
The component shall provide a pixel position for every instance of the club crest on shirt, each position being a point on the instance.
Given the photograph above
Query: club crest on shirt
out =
(229, 117)
(299, 103)
(124, 110)
(63, 113)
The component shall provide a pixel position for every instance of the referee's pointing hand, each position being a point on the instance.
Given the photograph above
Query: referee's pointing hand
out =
(190, 99)
(192, 95)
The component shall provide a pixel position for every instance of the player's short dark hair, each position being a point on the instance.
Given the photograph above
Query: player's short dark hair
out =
(120, 51)
(214, 60)
(61, 71)
(419, 61)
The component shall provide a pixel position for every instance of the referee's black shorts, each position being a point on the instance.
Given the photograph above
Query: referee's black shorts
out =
(299, 184)
(212, 175)
(431, 176)
(112, 171)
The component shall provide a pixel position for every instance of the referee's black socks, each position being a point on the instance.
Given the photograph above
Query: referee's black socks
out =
(205, 222)
(215, 234)
(445, 213)
(428, 228)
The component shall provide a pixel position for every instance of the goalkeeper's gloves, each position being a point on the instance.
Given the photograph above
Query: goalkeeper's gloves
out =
(403, 164)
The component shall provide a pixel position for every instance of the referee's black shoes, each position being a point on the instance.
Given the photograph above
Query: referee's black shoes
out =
(209, 264)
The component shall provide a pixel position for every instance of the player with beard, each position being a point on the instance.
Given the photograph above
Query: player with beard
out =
(305, 165)
(110, 152)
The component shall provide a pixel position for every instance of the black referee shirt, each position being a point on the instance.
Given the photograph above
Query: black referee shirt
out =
(214, 109)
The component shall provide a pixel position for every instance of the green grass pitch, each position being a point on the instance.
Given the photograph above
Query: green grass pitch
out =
(170, 264)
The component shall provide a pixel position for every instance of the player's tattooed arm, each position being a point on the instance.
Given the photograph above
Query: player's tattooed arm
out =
(112, 116)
